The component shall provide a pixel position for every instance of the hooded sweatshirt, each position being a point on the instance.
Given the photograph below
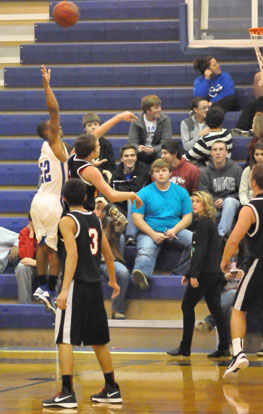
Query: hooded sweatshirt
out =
(223, 182)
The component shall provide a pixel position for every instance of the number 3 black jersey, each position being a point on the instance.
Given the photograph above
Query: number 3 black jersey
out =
(88, 239)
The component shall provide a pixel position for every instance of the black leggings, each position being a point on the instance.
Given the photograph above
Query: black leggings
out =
(212, 295)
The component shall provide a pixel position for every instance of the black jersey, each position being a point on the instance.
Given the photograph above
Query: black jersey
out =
(255, 232)
(88, 239)
(75, 166)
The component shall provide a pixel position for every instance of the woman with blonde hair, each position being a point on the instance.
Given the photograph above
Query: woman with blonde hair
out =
(204, 277)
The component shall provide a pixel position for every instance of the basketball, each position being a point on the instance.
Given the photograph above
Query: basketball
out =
(66, 13)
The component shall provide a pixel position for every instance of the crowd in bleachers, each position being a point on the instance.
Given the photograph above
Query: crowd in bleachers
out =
(205, 164)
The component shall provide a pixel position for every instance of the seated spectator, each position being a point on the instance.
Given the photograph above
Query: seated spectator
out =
(183, 172)
(161, 222)
(215, 85)
(26, 271)
(201, 151)
(244, 123)
(8, 248)
(221, 178)
(113, 225)
(131, 175)
(193, 127)
(150, 130)
(106, 161)
(245, 191)
(257, 132)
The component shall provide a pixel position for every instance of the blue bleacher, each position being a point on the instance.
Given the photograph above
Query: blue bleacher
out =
(108, 99)
(17, 124)
(161, 287)
(147, 75)
(16, 201)
(108, 31)
(119, 9)
(19, 150)
(15, 224)
(19, 174)
(139, 52)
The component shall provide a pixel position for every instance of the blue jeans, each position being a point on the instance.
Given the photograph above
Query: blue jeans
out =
(122, 277)
(230, 207)
(147, 252)
(227, 300)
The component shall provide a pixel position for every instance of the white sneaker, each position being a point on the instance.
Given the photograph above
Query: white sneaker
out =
(234, 399)
(38, 292)
(238, 362)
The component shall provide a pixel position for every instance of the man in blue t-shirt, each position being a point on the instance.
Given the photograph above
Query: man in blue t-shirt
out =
(162, 220)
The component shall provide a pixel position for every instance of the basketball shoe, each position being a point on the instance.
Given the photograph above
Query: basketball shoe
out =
(49, 297)
(65, 399)
(108, 395)
(238, 363)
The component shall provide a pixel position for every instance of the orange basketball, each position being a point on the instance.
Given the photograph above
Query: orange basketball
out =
(66, 13)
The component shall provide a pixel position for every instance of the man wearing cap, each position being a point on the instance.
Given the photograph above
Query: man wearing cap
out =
(106, 161)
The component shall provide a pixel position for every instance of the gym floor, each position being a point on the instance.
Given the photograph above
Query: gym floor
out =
(150, 382)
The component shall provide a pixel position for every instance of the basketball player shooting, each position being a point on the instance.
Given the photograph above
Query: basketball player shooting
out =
(47, 206)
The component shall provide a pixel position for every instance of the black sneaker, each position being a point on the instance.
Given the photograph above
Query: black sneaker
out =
(219, 353)
(108, 395)
(178, 352)
(64, 399)
(140, 279)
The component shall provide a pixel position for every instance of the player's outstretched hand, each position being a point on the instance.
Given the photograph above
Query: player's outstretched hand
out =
(46, 75)
(116, 289)
(137, 200)
(128, 116)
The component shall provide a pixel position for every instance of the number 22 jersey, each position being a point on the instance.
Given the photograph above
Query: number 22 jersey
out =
(54, 173)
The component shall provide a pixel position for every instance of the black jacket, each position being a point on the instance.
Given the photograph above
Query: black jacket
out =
(138, 179)
(205, 262)
(106, 151)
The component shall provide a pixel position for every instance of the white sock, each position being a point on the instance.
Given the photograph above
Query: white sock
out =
(237, 345)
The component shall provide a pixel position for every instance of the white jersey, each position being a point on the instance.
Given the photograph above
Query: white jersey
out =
(54, 173)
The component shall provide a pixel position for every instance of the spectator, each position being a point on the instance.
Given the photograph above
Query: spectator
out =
(203, 277)
(161, 222)
(131, 175)
(245, 191)
(215, 85)
(106, 161)
(26, 271)
(150, 130)
(244, 123)
(8, 248)
(193, 127)
(221, 178)
(201, 151)
(183, 172)
(257, 131)
(113, 224)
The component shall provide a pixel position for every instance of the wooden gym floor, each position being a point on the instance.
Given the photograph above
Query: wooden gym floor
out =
(151, 383)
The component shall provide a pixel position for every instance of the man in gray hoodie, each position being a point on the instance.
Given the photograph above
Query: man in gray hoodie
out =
(151, 130)
(221, 178)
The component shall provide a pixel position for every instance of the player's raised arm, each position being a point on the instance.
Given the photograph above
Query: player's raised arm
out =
(53, 109)
(126, 116)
